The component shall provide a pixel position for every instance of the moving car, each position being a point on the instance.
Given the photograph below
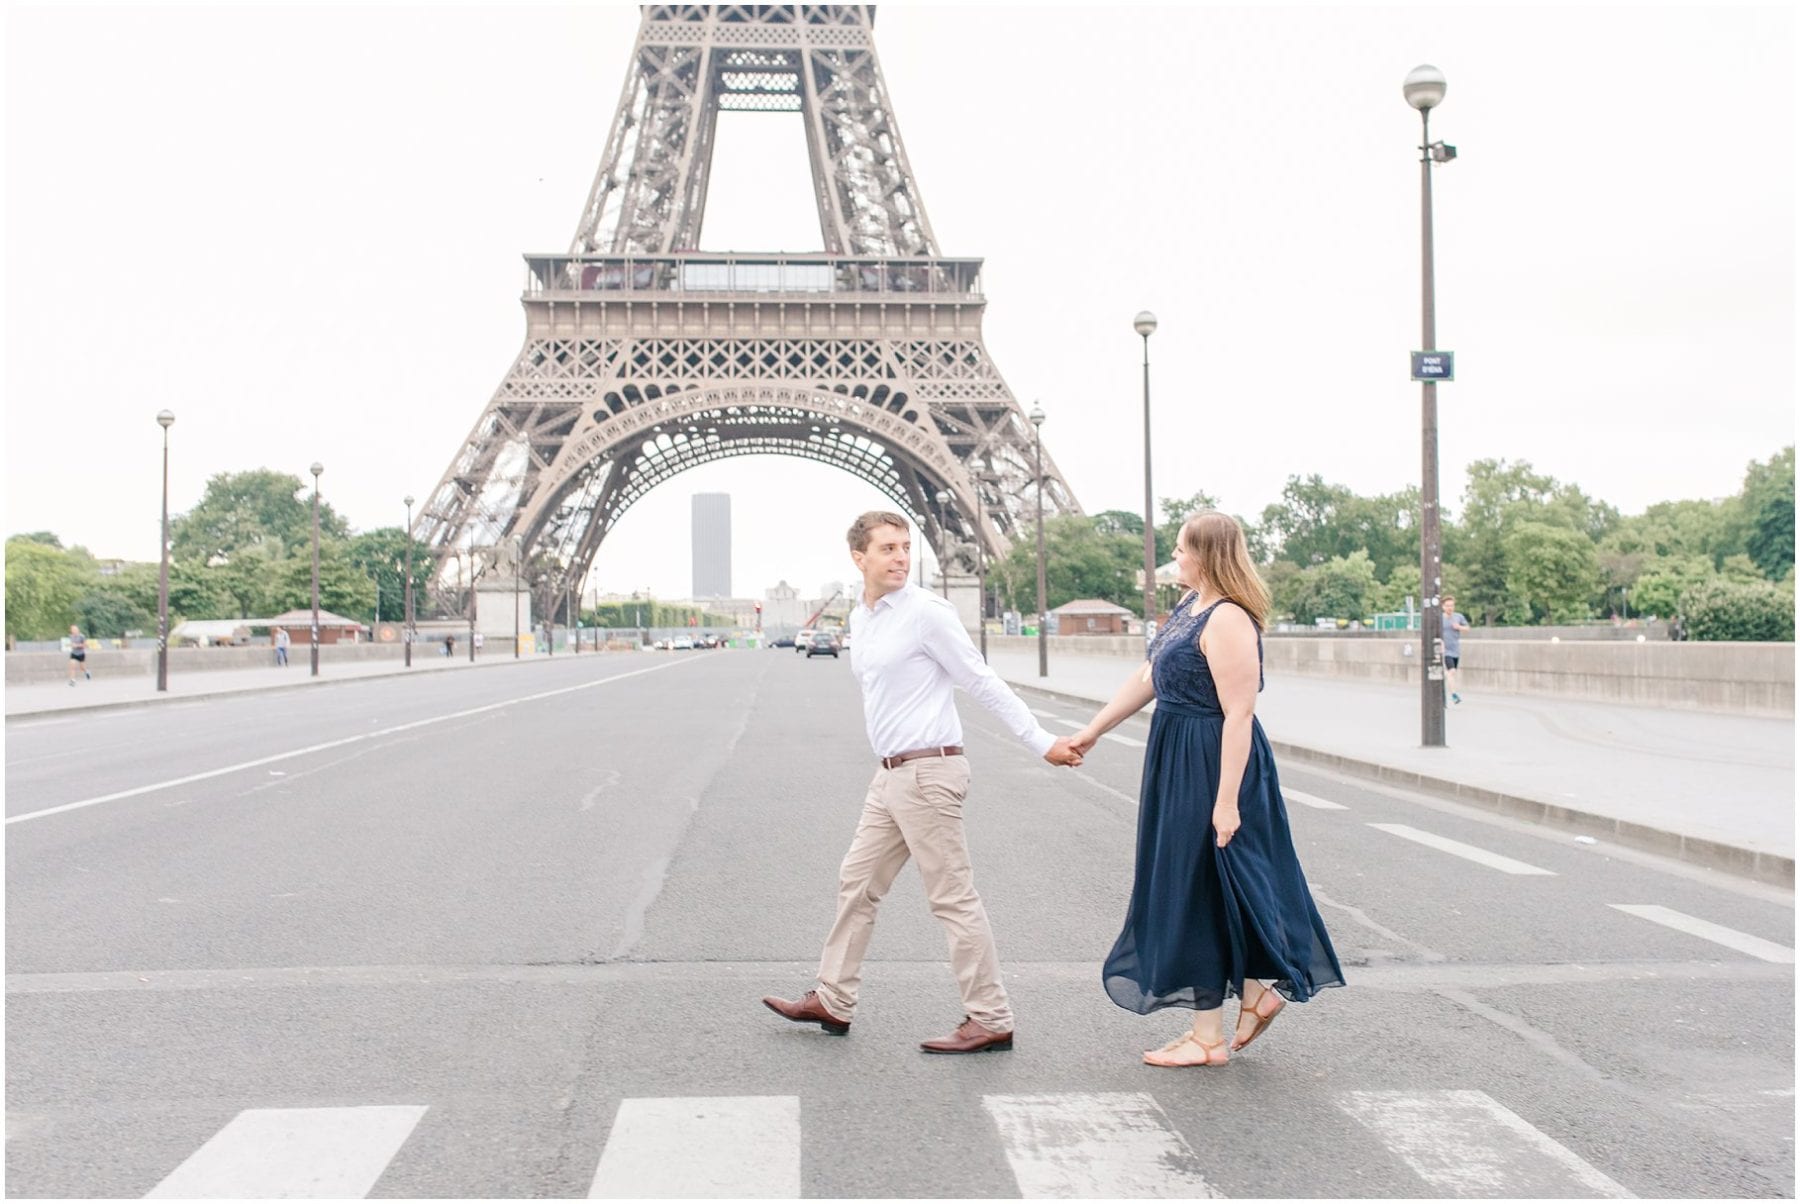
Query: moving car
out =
(803, 639)
(823, 643)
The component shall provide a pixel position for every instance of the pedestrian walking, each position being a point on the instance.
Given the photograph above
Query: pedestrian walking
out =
(282, 641)
(78, 655)
(1219, 906)
(450, 643)
(1455, 623)
(909, 655)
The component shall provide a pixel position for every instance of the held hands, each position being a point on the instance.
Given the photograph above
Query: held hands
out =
(1063, 752)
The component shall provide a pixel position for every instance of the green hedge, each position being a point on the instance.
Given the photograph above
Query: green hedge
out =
(1733, 610)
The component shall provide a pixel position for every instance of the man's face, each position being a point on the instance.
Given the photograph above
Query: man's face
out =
(1449, 605)
(885, 561)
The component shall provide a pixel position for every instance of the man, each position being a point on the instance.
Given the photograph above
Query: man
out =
(1455, 623)
(77, 654)
(909, 653)
(282, 641)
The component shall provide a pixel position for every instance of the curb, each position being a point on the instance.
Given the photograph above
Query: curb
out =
(132, 704)
(1770, 868)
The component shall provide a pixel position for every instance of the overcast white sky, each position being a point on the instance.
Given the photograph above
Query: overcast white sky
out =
(300, 228)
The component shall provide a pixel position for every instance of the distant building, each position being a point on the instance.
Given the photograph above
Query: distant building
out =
(712, 545)
(1090, 616)
(782, 609)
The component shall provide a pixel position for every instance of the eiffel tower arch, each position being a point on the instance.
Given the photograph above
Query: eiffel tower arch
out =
(645, 357)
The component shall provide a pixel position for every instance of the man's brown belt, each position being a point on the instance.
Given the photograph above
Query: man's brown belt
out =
(899, 759)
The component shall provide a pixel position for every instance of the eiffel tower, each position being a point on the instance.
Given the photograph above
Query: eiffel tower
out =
(645, 356)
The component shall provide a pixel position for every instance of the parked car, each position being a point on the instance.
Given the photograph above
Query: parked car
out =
(786, 641)
(683, 643)
(823, 643)
(803, 639)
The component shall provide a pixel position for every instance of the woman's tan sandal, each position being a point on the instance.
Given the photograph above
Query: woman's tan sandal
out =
(1263, 1019)
(1156, 1057)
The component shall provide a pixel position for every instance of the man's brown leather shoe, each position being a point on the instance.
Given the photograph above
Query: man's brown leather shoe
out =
(805, 1010)
(969, 1037)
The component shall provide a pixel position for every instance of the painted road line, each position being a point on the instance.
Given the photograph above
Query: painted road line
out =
(1505, 865)
(1078, 725)
(294, 1153)
(704, 1147)
(1104, 1145)
(1718, 934)
(1311, 800)
(313, 748)
(1465, 1145)
(1048, 715)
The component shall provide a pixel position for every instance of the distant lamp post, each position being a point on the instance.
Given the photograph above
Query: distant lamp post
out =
(518, 579)
(164, 419)
(943, 501)
(406, 626)
(1037, 423)
(317, 469)
(1424, 90)
(1145, 325)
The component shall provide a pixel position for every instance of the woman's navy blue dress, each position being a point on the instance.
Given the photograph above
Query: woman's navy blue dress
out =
(1203, 919)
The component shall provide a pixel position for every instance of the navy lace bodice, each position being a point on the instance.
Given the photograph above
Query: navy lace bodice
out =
(1178, 668)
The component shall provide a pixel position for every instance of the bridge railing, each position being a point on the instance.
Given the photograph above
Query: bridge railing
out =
(709, 275)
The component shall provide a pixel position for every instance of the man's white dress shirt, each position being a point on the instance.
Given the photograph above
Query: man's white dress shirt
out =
(909, 651)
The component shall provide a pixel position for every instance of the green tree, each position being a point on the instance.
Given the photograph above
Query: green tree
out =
(1768, 503)
(248, 579)
(381, 555)
(1663, 580)
(47, 538)
(106, 610)
(43, 585)
(1079, 562)
(1344, 587)
(344, 589)
(1316, 520)
(253, 509)
(1550, 573)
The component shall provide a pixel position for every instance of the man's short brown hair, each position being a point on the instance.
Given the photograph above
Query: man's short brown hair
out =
(865, 525)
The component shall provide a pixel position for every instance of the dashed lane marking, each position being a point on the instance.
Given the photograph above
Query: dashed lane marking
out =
(1706, 930)
(1468, 852)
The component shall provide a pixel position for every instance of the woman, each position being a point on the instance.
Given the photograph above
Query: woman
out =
(1219, 904)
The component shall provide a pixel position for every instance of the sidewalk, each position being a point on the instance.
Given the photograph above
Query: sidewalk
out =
(1714, 789)
(108, 693)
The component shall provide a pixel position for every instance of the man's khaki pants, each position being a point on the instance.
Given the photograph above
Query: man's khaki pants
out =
(915, 810)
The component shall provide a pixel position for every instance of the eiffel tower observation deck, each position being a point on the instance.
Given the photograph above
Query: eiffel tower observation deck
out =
(645, 356)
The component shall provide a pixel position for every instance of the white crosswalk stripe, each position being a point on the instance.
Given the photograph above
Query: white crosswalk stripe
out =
(293, 1154)
(1467, 1146)
(1718, 934)
(1104, 1145)
(1071, 1145)
(1467, 852)
(1311, 800)
(702, 1147)
(1113, 736)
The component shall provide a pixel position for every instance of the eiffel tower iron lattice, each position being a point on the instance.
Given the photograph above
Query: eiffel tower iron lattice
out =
(645, 357)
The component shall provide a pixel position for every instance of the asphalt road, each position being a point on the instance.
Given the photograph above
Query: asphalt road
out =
(504, 933)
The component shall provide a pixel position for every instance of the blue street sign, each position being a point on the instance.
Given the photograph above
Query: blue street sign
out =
(1434, 365)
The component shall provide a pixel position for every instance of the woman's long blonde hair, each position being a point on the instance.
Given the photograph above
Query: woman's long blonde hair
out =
(1222, 558)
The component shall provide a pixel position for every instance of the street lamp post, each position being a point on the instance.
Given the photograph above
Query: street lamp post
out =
(472, 576)
(943, 501)
(1145, 325)
(164, 419)
(518, 579)
(1424, 90)
(317, 469)
(406, 624)
(1037, 439)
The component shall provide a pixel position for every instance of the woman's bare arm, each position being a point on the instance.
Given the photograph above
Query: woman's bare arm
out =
(1229, 645)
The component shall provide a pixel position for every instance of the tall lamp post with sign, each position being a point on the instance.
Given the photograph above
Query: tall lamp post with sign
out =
(406, 623)
(317, 469)
(1424, 90)
(164, 419)
(1043, 616)
(1145, 325)
(943, 501)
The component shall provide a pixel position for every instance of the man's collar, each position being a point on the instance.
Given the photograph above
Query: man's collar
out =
(888, 599)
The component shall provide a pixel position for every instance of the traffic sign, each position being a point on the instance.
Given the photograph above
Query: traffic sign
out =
(1434, 365)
